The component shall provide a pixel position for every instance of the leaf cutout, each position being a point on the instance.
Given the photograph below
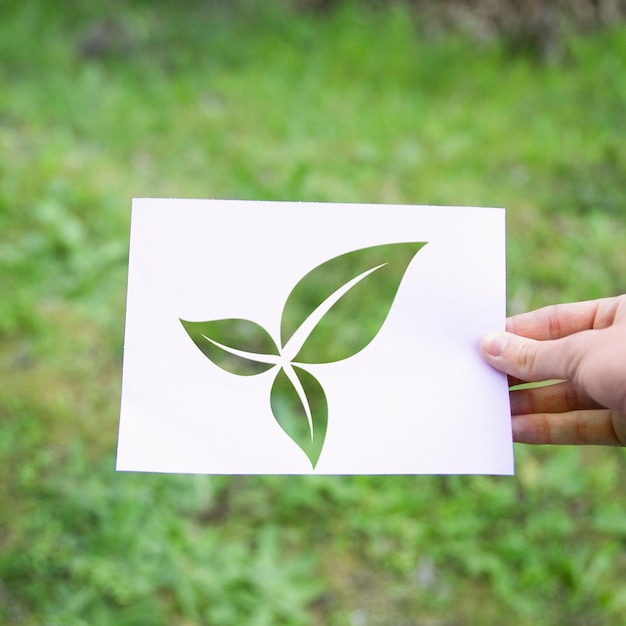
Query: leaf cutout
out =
(299, 405)
(245, 348)
(355, 318)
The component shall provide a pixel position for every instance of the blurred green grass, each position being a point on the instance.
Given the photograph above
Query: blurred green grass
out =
(109, 101)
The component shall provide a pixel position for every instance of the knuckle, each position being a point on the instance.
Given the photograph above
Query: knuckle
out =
(554, 324)
(526, 359)
(545, 429)
(581, 429)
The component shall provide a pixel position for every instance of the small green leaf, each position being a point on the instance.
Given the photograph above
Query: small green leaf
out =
(296, 399)
(348, 319)
(245, 348)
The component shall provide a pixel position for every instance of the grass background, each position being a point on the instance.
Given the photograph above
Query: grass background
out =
(108, 101)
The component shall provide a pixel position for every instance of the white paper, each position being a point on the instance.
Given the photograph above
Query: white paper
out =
(418, 399)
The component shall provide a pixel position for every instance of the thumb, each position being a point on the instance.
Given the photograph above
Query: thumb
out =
(526, 359)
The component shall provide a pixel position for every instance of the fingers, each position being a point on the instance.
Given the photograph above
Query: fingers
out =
(563, 414)
(595, 427)
(558, 398)
(527, 359)
(581, 343)
(562, 320)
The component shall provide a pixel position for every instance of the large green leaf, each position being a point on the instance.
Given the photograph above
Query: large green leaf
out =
(348, 318)
(236, 345)
(300, 408)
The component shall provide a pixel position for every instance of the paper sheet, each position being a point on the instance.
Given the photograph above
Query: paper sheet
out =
(306, 338)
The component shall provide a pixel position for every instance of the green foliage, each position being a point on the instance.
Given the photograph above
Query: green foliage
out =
(93, 547)
(106, 101)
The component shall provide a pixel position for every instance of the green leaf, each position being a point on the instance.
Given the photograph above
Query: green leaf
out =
(300, 408)
(345, 318)
(237, 346)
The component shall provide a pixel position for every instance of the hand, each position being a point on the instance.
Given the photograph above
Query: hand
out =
(583, 344)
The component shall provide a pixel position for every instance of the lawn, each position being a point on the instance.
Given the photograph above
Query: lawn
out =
(108, 101)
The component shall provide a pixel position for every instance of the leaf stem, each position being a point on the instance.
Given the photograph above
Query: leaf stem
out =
(297, 385)
(273, 359)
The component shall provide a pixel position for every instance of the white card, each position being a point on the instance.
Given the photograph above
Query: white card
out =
(306, 338)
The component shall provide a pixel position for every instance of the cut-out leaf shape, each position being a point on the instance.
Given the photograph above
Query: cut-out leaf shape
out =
(349, 319)
(331, 314)
(299, 405)
(235, 345)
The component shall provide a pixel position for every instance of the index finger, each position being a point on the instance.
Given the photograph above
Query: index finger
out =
(561, 320)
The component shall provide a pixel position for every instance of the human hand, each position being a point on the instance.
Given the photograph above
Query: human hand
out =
(583, 344)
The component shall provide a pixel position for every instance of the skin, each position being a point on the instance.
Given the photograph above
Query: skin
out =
(582, 344)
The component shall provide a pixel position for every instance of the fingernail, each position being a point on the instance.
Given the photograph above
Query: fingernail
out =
(517, 429)
(494, 344)
(523, 430)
